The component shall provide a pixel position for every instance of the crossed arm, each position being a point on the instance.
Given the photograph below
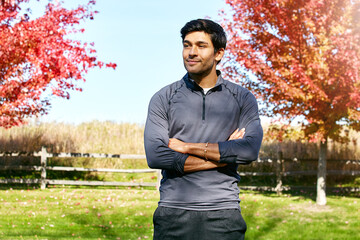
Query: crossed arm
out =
(174, 155)
(202, 156)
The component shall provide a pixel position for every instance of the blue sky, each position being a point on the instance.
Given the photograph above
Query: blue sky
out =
(143, 38)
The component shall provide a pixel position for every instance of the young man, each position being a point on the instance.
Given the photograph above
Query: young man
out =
(197, 131)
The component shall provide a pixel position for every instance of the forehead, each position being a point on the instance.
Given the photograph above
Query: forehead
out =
(194, 37)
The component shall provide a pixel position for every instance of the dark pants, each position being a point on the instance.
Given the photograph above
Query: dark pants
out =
(173, 223)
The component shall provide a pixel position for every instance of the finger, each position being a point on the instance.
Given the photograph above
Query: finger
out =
(236, 130)
(171, 142)
(242, 133)
(174, 140)
(239, 134)
(233, 135)
(221, 164)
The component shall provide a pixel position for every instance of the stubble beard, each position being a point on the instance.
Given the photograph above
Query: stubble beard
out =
(198, 74)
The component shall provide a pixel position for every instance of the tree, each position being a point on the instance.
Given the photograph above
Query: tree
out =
(39, 59)
(302, 58)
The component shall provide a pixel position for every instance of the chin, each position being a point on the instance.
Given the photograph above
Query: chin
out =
(192, 70)
(196, 73)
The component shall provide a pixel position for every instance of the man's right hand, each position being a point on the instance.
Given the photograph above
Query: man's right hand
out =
(237, 134)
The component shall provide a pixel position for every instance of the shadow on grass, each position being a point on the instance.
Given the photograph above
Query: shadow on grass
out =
(251, 219)
(98, 225)
(122, 225)
(16, 186)
(309, 193)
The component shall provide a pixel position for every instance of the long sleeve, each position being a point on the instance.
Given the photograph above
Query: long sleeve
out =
(156, 138)
(245, 150)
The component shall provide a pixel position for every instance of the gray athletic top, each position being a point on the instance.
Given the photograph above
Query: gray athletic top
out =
(181, 110)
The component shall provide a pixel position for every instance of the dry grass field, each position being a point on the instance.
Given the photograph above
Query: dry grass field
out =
(90, 137)
(111, 137)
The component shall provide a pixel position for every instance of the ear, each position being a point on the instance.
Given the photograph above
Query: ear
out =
(219, 54)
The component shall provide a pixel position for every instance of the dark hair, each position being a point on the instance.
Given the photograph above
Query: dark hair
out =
(216, 32)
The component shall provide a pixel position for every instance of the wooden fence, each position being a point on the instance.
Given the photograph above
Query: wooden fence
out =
(280, 172)
(43, 181)
(44, 155)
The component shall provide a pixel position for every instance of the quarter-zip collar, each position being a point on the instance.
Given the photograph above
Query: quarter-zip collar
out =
(191, 84)
(195, 87)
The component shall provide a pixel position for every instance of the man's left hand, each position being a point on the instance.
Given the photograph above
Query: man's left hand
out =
(177, 145)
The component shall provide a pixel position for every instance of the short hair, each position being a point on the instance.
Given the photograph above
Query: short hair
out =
(216, 32)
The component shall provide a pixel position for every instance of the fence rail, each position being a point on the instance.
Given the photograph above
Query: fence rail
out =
(309, 172)
(44, 155)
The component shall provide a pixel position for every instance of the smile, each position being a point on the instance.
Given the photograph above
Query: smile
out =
(192, 62)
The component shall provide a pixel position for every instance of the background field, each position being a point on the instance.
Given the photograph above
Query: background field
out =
(111, 137)
(116, 138)
(126, 213)
(93, 213)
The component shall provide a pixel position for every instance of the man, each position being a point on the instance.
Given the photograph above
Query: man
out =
(192, 134)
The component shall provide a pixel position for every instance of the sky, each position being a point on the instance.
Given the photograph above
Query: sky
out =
(143, 38)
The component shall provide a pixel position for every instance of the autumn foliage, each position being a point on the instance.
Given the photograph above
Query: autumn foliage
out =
(301, 57)
(39, 59)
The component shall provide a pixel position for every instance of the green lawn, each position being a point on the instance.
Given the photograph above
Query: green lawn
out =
(93, 213)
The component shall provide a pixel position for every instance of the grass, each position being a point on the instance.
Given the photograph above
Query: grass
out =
(77, 213)
(98, 213)
(298, 217)
(126, 213)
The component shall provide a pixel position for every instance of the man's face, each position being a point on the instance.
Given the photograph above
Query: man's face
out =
(198, 54)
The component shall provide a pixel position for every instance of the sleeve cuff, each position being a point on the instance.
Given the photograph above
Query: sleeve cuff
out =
(179, 162)
(224, 156)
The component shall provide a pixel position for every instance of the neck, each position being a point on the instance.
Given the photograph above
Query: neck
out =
(205, 80)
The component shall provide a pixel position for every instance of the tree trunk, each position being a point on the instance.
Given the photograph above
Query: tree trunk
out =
(321, 175)
(279, 171)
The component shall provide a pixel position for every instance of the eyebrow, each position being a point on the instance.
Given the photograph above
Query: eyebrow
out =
(198, 42)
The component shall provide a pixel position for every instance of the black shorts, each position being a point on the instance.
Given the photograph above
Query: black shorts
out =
(173, 223)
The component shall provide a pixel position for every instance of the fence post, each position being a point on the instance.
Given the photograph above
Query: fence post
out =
(158, 180)
(43, 167)
(278, 187)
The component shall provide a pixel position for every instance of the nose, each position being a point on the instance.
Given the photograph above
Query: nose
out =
(193, 51)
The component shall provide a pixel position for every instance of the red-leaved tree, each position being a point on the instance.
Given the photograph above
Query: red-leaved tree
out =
(302, 58)
(38, 58)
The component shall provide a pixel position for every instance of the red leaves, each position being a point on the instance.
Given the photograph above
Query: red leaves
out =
(36, 55)
(112, 65)
(301, 57)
